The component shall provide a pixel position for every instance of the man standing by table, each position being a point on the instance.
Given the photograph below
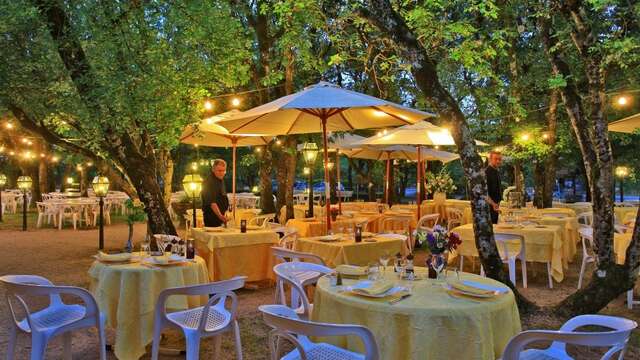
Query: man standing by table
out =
(494, 188)
(214, 196)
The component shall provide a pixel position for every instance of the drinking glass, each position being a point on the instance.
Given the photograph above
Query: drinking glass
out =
(384, 261)
(145, 247)
(374, 272)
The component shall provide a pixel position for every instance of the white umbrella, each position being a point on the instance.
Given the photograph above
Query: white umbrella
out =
(209, 133)
(627, 125)
(322, 107)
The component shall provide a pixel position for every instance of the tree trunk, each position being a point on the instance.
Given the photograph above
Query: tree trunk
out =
(424, 69)
(609, 279)
(266, 192)
(539, 181)
(551, 160)
(43, 173)
(518, 178)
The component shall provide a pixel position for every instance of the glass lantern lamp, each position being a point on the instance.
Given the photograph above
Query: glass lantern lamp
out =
(100, 185)
(24, 184)
(310, 154)
(192, 184)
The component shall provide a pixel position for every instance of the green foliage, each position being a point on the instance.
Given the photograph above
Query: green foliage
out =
(440, 182)
(135, 211)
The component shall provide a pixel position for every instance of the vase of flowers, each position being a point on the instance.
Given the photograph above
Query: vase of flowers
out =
(439, 185)
(439, 242)
(135, 213)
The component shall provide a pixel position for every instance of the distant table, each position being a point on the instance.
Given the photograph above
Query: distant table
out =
(127, 295)
(347, 251)
(620, 244)
(625, 214)
(230, 253)
(543, 244)
(578, 207)
(431, 324)
(316, 227)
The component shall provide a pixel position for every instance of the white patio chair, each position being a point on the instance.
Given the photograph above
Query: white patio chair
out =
(586, 236)
(289, 239)
(510, 257)
(297, 276)
(585, 218)
(454, 217)
(428, 222)
(616, 339)
(212, 319)
(56, 319)
(288, 326)
(389, 223)
(305, 278)
(262, 220)
(67, 212)
(46, 211)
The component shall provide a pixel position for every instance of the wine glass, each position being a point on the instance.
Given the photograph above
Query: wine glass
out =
(437, 263)
(162, 242)
(145, 246)
(384, 261)
(373, 272)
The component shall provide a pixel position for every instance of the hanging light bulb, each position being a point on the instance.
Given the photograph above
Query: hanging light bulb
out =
(235, 102)
(208, 105)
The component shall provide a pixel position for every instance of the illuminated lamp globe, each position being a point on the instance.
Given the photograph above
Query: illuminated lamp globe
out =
(192, 184)
(24, 183)
(100, 185)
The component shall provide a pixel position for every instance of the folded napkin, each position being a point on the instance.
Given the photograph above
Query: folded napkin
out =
(377, 287)
(113, 257)
(470, 289)
(352, 270)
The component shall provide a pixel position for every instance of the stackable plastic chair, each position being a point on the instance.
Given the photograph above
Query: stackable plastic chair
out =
(298, 275)
(288, 326)
(454, 218)
(427, 222)
(212, 319)
(56, 319)
(510, 258)
(262, 220)
(616, 339)
(586, 235)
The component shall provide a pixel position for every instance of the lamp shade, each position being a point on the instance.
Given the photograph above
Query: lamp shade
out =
(310, 153)
(192, 184)
(100, 185)
(24, 183)
(3, 180)
(622, 171)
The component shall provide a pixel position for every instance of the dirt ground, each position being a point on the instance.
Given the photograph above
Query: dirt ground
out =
(65, 256)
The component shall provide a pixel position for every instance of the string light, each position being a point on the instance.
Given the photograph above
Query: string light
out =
(9, 125)
(278, 142)
(235, 102)
(208, 105)
(623, 100)
(89, 163)
(524, 137)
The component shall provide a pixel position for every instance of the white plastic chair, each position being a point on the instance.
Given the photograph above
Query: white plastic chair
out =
(212, 319)
(288, 326)
(427, 222)
(509, 258)
(298, 275)
(616, 339)
(289, 239)
(454, 218)
(586, 236)
(56, 319)
(262, 220)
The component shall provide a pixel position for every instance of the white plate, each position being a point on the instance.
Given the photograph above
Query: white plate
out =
(495, 290)
(214, 229)
(173, 259)
(366, 283)
(329, 238)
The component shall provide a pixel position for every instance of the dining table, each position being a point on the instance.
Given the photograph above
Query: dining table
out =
(543, 243)
(315, 226)
(342, 249)
(228, 252)
(127, 292)
(431, 323)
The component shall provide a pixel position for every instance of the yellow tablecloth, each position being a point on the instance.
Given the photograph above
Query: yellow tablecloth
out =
(350, 252)
(429, 325)
(362, 206)
(232, 253)
(542, 245)
(625, 214)
(430, 207)
(570, 235)
(316, 227)
(579, 207)
(376, 221)
(567, 211)
(246, 214)
(620, 244)
(127, 295)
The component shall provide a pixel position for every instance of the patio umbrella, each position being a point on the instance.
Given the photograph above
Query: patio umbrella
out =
(209, 133)
(392, 152)
(419, 134)
(627, 125)
(322, 107)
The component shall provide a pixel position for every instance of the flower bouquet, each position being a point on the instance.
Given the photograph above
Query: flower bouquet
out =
(440, 183)
(438, 242)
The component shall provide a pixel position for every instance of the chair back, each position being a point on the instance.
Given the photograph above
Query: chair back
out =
(23, 286)
(262, 220)
(289, 255)
(287, 274)
(289, 239)
(287, 324)
(502, 242)
(162, 240)
(427, 222)
(616, 339)
(388, 222)
(218, 291)
(585, 218)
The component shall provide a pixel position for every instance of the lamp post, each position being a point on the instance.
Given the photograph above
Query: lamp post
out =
(192, 184)
(310, 154)
(100, 185)
(24, 184)
(622, 172)
(3, 182)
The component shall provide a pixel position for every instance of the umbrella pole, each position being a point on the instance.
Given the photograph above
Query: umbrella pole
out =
(386, 185)
(338, 176)
(327, 192)
(234, 142)
(419, 183)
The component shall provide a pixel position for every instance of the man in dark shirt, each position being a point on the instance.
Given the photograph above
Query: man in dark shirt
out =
(494, 188)
(214, 196)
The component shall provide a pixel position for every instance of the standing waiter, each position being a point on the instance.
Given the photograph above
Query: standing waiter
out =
(214, 196)
(494, 188)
